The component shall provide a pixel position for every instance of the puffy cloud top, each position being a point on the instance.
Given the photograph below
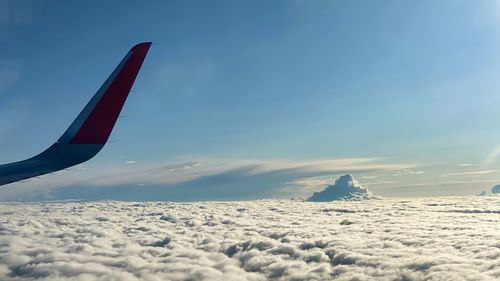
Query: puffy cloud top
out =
(345, 187)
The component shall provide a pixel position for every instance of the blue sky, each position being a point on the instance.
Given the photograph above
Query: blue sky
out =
(408, 91)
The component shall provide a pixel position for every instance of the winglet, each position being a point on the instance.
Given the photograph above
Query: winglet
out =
(96, 121)
(89, 132)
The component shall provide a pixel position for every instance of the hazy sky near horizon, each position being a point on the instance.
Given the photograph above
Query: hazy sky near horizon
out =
(277, 97)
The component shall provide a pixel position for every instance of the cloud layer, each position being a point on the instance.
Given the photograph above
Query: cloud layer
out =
(388, 239)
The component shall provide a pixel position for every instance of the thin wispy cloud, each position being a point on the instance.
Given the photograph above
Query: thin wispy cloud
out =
(466, 165)
(382, 182)
(260, 177)
(407, 172)
(474, 173)
(311, 184)
(437, 184)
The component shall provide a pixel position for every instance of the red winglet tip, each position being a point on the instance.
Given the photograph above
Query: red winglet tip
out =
(144, 46)
(100, 121)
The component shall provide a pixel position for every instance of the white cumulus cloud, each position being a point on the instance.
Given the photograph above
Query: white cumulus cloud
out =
(345, 187)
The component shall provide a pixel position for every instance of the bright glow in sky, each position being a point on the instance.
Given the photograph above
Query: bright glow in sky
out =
(406, 93)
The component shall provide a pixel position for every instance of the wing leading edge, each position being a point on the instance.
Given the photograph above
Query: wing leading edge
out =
(87, 135)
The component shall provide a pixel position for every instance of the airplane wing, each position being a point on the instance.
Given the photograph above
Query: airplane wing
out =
(87, 135)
